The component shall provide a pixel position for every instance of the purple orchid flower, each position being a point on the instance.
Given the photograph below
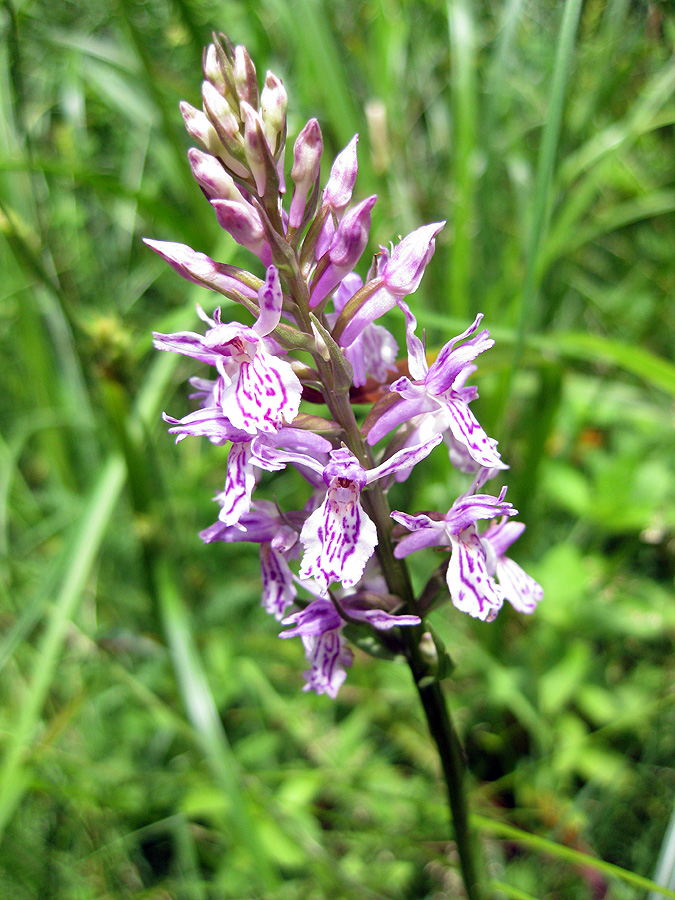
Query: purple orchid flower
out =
(278, 539)
(374, 351)
(398, 275)
(472, 588)
(439, 394)
(320, 627)
(256, 391)
(339, 537)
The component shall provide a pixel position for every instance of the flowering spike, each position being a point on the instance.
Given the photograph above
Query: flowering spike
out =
(321, 555)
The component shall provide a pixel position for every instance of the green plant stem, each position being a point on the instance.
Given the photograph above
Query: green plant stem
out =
(451, 754)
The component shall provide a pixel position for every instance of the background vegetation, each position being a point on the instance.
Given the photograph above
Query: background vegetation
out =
(155, 740)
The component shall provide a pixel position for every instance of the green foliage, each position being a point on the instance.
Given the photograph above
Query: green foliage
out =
(155, 740)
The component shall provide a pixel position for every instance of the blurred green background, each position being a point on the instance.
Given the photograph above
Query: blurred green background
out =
(155, 739)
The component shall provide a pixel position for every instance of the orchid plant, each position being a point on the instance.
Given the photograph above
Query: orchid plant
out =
(336, 566)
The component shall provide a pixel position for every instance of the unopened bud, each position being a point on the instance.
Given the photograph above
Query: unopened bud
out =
(306, 167)
(212, 70)
(212, 177)
(219, 111)
(404, 269)
(351, 236)
(338, 190)
(253, 138)
(242, 222)
(346, 248)
(273, 103)
(245, 77)
(199, 127)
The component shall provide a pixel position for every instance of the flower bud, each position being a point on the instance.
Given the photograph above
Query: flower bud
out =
(255, 154)
(245, 77)
(201, 269)
(212, 70)
(219, 111)
(273, 103)
(346, 248)
(403, 271)
(243, 223)
(212, 177)
(199, 127)
(400, 276)
(306, 168)
(338, 190)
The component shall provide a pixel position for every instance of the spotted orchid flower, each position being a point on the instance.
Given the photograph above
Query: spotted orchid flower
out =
(320, 627)
(257, 391)
(470, 580)
(398, 274)
(278, 539)
(339, 537)
(439, 394)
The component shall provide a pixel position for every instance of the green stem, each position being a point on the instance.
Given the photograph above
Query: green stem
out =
(452, 761)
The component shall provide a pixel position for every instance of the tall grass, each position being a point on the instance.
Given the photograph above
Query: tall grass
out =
(155, 740)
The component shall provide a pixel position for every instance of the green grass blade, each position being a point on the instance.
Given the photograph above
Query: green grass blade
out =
(464, 113)
(616, 136)
(545, 165)
(85, 548)
(500, 887)
(543, 845)
(204, 718)
(652, 369)
(618, 216)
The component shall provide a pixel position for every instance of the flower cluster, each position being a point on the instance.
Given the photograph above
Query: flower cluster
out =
(314, 338)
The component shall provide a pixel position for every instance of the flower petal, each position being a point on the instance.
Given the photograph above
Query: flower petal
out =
(339, 539)
(263, 395)
(279, 591)
(403, 459)
(417, 360)
(520, 589)
(239, 484)
(472, 590)
(467, 431)
(270, 299)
